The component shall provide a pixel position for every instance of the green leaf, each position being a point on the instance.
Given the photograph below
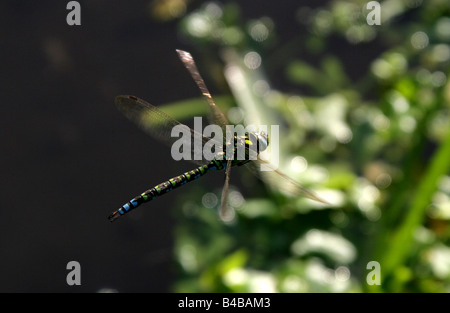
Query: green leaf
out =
(401, 240)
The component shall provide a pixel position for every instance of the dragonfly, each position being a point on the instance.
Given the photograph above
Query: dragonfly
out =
(159, 125)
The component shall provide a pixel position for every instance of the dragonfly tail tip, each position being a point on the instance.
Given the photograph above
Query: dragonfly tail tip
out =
(113, 216)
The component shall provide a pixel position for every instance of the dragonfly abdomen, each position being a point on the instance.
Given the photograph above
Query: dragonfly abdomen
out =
(167, 186)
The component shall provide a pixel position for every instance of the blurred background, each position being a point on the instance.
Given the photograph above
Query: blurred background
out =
(364, 121)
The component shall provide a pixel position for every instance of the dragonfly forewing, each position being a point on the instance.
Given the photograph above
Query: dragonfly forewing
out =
(216, 116)
(159, 125)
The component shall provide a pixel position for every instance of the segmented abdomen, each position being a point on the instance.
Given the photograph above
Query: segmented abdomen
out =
(167, 186)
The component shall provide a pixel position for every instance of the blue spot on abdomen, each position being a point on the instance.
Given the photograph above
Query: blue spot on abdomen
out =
(126, 207)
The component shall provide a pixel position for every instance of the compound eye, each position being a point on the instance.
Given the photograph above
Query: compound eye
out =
(265, 136)
(263, 141)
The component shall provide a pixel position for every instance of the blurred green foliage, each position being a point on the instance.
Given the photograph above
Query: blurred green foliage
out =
(377, 147)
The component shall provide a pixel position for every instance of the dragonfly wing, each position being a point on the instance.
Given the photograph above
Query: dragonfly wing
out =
(282, 181)
(216, 116)
(224, 209)
(158, 124)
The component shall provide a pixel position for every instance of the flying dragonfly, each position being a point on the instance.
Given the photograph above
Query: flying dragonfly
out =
(159, 125)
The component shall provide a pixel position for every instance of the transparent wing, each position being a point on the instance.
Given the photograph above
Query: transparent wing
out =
(282, 181)
(158, 124)
(216, 115)
(224, 209)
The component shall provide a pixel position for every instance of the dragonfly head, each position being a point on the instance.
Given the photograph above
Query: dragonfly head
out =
(254, 142)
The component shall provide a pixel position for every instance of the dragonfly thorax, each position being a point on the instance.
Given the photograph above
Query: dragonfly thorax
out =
(244, 148)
